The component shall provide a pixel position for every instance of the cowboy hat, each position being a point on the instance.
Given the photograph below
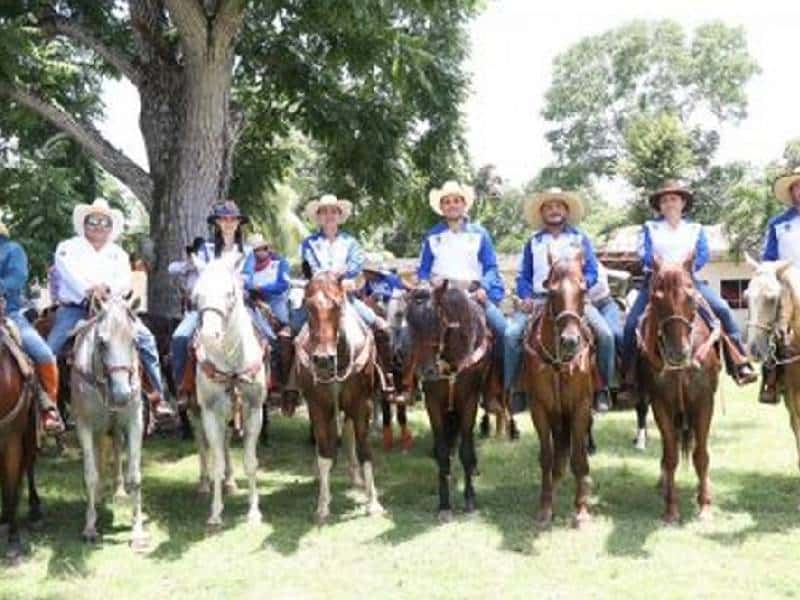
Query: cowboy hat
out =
(99, 206)
(312, 208)
(229, 208)
(672, 187)
(451, 188)
(572, 200)
(373, 266)
(256, 240)
(783, 185)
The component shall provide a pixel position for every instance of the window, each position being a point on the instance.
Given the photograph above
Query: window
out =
(732, 291)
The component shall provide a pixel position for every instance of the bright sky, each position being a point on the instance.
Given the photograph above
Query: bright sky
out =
(514, 43)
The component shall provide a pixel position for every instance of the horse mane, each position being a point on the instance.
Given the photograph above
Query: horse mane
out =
(468, 315)
(790, 299)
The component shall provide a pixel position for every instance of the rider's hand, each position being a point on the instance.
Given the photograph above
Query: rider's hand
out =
(480, 296)
(348, 285)
(526, 305)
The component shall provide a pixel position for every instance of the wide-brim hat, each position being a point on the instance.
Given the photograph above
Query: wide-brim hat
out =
(672, 187)
(99, 206)
(572, 200)
(373, 266)
(783, 185)
(345, 207)
(229, 208)
(451, 188)
(256, 240)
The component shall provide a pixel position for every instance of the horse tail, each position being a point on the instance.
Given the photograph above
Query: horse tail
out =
(451, 428)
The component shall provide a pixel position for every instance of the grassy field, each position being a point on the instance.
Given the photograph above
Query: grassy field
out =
(750, 549)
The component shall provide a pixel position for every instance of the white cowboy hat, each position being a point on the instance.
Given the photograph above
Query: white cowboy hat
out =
(451, 188)
(312, 208)
(256, 240)
(573, 201)
(99, 206)
(784, 183)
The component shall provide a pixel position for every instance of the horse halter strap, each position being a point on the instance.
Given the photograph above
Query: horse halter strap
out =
(555, 358)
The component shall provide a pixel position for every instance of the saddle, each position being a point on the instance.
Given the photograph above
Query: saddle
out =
(11, 338)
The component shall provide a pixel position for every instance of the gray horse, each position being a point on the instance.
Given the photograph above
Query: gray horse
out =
(231, 377)
(107, 401)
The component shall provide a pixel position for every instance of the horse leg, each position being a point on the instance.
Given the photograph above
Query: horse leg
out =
(35, 512)
(201, 441)
(216, 430)
(360, 423)
(701, 425)
(229, 486)
(579, 461)
(793, 405)
(669, 461)
(12, 472)
(560, 434)
(466, 451)
(640, 441)
(386, 415)
(133, 485)
(253, 423)
(323, 422)
(441, 450)
(119, 480)
(349, 441)
(546, 456)
(90, 449)
(406, 437)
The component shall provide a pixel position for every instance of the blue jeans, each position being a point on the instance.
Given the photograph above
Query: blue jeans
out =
(68, 316)
(497, 323)
(279, 307)
(514, 338)
(179, 346)
(612, 316)
(32, 342)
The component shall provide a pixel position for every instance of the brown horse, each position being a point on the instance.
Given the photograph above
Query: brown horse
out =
(451, 350)
(336, 373)
(17, 437)
(679, 369)
(558, 373)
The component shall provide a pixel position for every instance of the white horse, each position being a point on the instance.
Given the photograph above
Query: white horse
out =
(231, 377)
(107, 401)
(773, 327)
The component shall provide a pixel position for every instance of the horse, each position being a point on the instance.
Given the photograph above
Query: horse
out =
(679, 372)
(450, 353)
(231, 382)
(558, 374)
(18, 436)
(106, 400)
(773, 328)
(335, 355)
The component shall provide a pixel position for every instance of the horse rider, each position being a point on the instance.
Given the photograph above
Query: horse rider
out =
(330, 249)
(228, 243)
(380, 284)
(672, 237)
(554, 214)
(460, 250)
(13, 278)
(600, 297)
(267, 281)
(185, 271)
(92, 264)
(782, 242)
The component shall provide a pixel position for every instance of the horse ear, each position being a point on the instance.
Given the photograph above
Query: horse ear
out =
(136, 304)
(95, 304)
(688, 262)
(127, 295)
(751, 261)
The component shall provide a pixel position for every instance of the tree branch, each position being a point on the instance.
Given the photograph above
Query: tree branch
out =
(190, 19)
(228, 23)
(57, 24)
(83, 132)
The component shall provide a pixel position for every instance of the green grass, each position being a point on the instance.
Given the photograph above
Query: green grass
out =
(750, 549)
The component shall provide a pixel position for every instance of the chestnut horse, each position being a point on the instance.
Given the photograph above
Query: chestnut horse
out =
(17, 437)
(679, 370)
(450, 353)
(558, 374)
(336, 373)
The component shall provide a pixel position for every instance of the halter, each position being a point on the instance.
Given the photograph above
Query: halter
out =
(662, 346)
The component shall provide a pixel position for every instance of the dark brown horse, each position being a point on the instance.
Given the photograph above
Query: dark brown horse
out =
(450, 352)
(17, 437)
(558, 373)
(679, 369)
(336, 373)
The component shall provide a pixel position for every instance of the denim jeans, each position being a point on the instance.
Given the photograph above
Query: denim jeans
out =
(32, 342)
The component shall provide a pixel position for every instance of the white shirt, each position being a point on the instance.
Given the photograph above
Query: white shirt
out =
(788, 236)
(80, 266)
(543, 243)
(455, 255)
(673, 244)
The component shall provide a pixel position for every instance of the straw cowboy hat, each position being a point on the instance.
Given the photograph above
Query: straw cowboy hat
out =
(345, 207)
(451, 188)
(672, 187)
(4, 229)
(783, 185)
(256, 240)
(101, 207)
(572, 200)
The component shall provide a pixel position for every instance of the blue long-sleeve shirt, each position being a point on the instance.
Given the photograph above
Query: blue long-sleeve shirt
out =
(343, 254)
(13, 273)
(467, 254)
(534, 264)
(658, 238)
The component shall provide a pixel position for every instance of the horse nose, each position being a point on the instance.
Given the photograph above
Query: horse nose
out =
(121, 393)
(569, 342)
(324, 361)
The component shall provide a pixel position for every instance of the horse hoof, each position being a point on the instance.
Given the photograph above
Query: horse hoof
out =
(90, 537)
(445, 516)
(140, 544)
(321, 518)
(671, 519)
(230, 487)
(14, 555)
(581, 519)
(640, 443)
(706, 514)
(544, 518)
(254, 518)
(375, 508)
(214, 524)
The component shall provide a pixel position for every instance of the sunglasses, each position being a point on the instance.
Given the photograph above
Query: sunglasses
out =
(98, 222)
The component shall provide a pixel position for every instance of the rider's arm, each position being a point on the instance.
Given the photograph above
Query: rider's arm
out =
(425, 261)
(645, 247)
(121, 278)
(590, 266)
(770, 251)
(72, 267)
(355, 260)
(491, 280)
(15, 274)
(701, 253)
(525, 275)
(281, 283)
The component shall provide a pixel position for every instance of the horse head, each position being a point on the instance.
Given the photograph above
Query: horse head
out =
(217, 293)
(672, 300)
(566, 289)
(324, 300)
(763, 305)
(114, 356)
